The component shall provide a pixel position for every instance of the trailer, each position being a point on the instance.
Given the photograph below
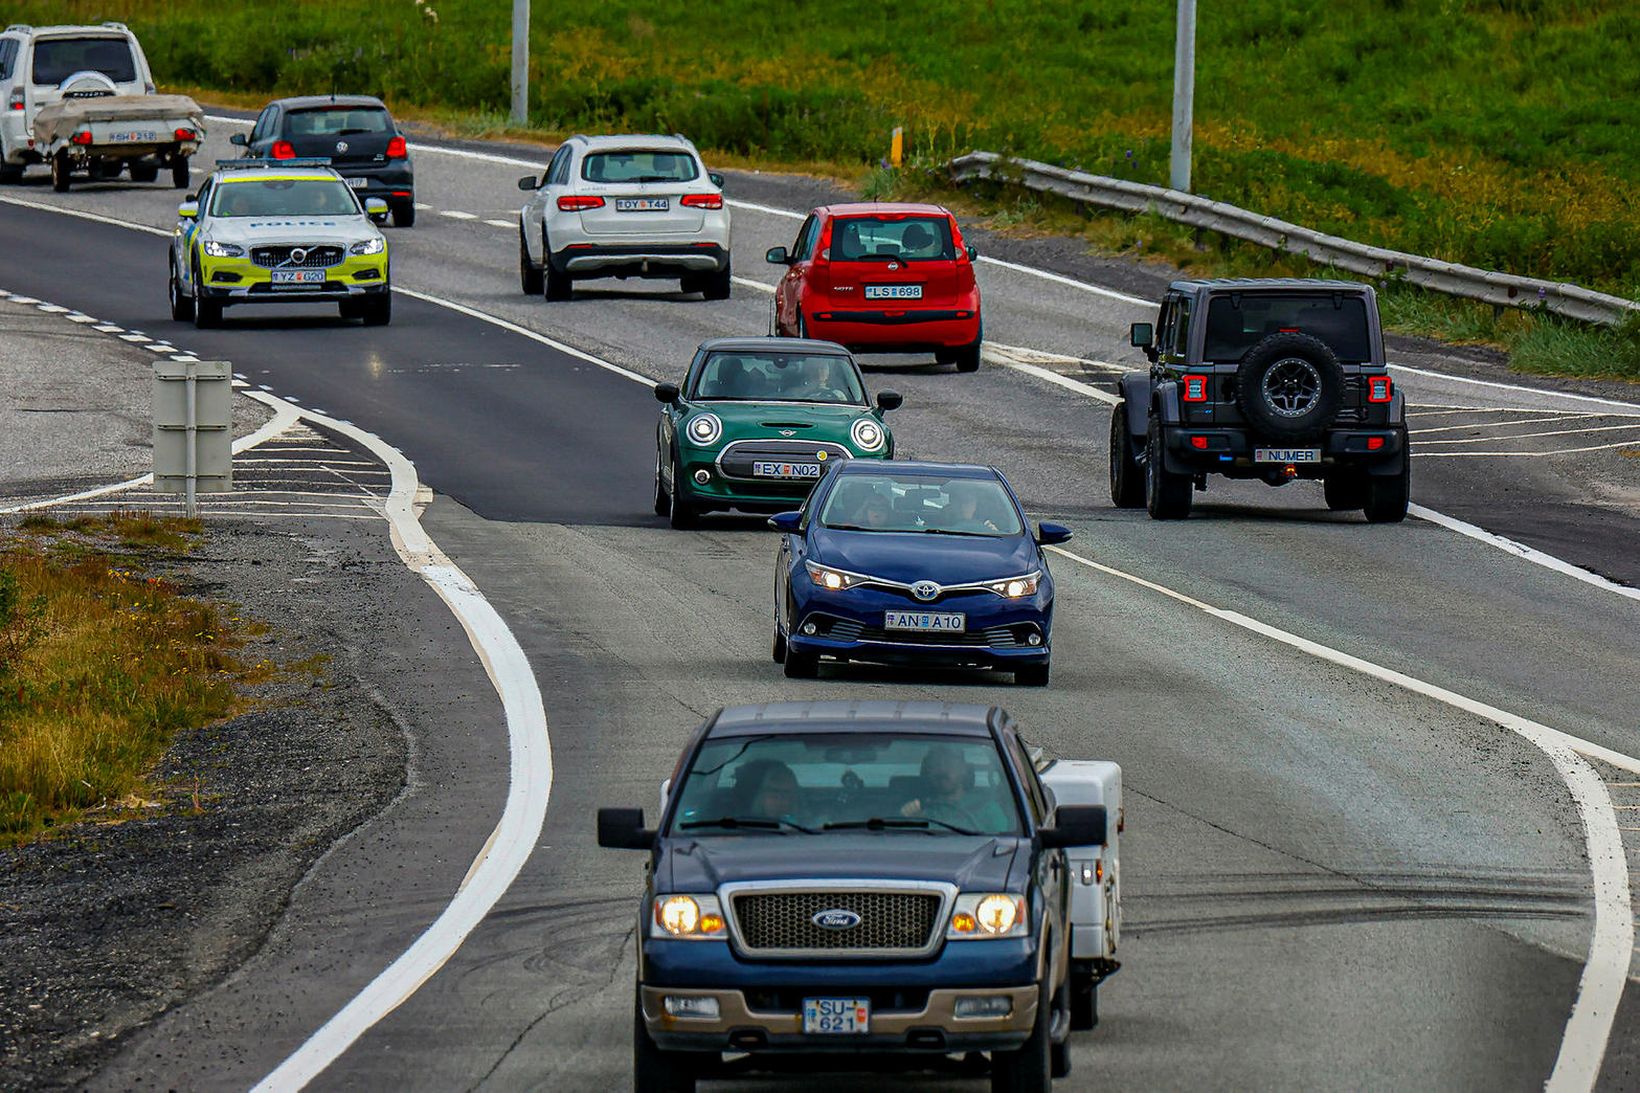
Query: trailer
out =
(101, 135)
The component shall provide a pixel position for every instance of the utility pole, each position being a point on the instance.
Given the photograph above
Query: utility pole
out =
(521, 63)
(1184, 94)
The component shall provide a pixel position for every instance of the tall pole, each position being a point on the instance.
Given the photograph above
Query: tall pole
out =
(521, 63)
(1184, 94)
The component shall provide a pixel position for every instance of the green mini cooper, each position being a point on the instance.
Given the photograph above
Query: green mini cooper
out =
(756, 423)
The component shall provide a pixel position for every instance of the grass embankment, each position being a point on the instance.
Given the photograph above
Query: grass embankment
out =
(100, 666)
(1493, 132)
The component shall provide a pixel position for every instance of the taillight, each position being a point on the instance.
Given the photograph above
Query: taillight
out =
(1199, 443)
(283, 149)
(16, 98)
(185, 134)
(82, 137)
(570, 204)
(1195, 388)
(1379, 389)
(396, 148)
(1375, 443)
(702, 201)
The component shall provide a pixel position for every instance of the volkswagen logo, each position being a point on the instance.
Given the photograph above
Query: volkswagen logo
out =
(925, 590)
(837, 918)
(341, 146)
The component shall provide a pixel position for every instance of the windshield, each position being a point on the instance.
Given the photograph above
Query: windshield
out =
(921, 503)
(56, 59)
(817, 782)
(779, 377)
(639, 167)
(337, 121)
(901, 238)
(1237, 322)
(285, 197)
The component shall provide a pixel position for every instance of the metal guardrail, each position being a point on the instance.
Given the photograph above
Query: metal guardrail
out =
(1488, 286)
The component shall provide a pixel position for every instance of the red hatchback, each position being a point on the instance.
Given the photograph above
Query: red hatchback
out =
(882, 278)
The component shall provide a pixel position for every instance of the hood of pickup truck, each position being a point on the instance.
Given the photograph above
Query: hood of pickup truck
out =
(973, 863)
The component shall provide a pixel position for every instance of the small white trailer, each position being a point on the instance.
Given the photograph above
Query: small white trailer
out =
(100, 135)
(1095, 878)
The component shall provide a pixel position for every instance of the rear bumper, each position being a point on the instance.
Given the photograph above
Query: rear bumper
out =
(1230, 451)
(896, 330)
(394, 181)
(640, 259)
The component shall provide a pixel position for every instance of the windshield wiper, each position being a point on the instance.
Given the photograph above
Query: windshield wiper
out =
(751, 823)
(968, 534)
(883, 823)
(853, 527)
(350, 132)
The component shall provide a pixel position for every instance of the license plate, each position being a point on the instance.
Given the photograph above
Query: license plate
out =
(837, 1016)
(894, 292)
(929, 621)
(298, 276)
(133, 136)
(786, 470)
(1286, 455)
(358, 183)
(642, 204)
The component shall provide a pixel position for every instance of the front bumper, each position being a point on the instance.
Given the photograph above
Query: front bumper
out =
(723, 490)
(849, 626)
(1229, 451)
(640, 259)
(241, 281)
(905, 329)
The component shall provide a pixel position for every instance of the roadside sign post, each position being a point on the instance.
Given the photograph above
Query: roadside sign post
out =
(1184, 96)
(193, 429)
(521, 63)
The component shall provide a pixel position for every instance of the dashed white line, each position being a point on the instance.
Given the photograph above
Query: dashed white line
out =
(502, 223)
(456, 214)
(1631, 427)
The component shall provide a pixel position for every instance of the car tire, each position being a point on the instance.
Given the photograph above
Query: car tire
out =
(555, 286)
(10, 173)
(1127, 480)
(377, 310)
(1167, 495)
(718, 286)
(663, 500)
(802, 327)
(967, 358)
(654, 1070)
(60, 172)
(144, 172)
(1388, 495)
(801, 665)
(1028, 1068)
(1290, 386)
(179, 173)
(404, 215)
(779, 649)
(1084, 1003)
(1059, 1051)
(207, 312)
(681, 514)
(1345, 491)
(529, 274)
(182, 305)
(1033, 675)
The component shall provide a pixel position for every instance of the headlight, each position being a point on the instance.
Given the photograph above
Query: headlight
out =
(368, 246)
(868, 434)
(832, 580)
(223, 250)
(983, 915)
(696, 918)
(703, 429)
(1014, 588)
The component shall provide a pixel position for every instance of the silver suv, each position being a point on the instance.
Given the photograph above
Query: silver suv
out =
(624, 206)
(42, 65)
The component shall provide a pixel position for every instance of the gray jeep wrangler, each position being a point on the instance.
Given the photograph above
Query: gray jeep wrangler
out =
(1271, 379)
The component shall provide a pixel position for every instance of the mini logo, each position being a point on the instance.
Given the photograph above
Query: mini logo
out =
(341, 146)
(788, 432)
(836, 918)
(894, 265)
(925, 590)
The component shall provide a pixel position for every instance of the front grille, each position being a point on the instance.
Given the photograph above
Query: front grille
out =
(784, 921)
(790, 999)
(313, 257)
(1016, 636)
(737, 459)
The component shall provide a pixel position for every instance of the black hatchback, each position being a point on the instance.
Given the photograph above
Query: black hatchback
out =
(357, 135)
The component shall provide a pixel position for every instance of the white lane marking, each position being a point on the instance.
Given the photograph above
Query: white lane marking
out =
(525, 332)
(992, 353)
(51, 309)
(1435, 410)
(1541, 391)
(1632, 443)
(1060, 279)
(423, 206)
(529, 787)
(108, 328)
(758, 285)
(1631, 426)
(1611, 946)
(78, 318)
(83, 215)
(1524, 552)
(456, 214)
(502, 223)
(1581, 415)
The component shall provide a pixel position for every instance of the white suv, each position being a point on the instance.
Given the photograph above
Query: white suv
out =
(41, 65)
(628, 206)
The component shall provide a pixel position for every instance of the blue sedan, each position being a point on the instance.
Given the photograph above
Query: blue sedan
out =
(914, 563)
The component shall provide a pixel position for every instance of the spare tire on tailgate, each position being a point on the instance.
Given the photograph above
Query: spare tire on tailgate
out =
(1290, 386)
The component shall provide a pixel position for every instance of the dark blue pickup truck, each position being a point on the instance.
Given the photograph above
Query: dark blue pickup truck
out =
(893, 882)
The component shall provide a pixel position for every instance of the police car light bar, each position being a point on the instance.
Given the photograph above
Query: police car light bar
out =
(310, 161)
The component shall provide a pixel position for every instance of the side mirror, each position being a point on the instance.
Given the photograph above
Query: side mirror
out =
(529, 182)
(1074, 825)
(1051, 534)
(376, 209)
(1140, 335)
(188, 210)
(973, 253)
(777, 256)
(623, 829)
(715, 179)
(789, 522)
(240, 139)
(889, 400)
(666, 392)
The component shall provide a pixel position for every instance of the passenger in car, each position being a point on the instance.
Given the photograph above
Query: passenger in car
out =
(948, 794)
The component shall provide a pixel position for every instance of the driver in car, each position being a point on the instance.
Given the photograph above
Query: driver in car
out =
(948, 794)
(963, 511)
(766, 789)
(812, 381)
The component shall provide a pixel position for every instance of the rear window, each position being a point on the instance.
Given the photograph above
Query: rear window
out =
(884, 239)
(633, 166)
(56, 59)
(1239, 321)
(337, 121)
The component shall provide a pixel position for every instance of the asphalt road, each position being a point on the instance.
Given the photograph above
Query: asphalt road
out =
(1330, 882)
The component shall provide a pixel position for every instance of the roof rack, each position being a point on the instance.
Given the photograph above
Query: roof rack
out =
(249, 162)
(116, 26)
(17, 26)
